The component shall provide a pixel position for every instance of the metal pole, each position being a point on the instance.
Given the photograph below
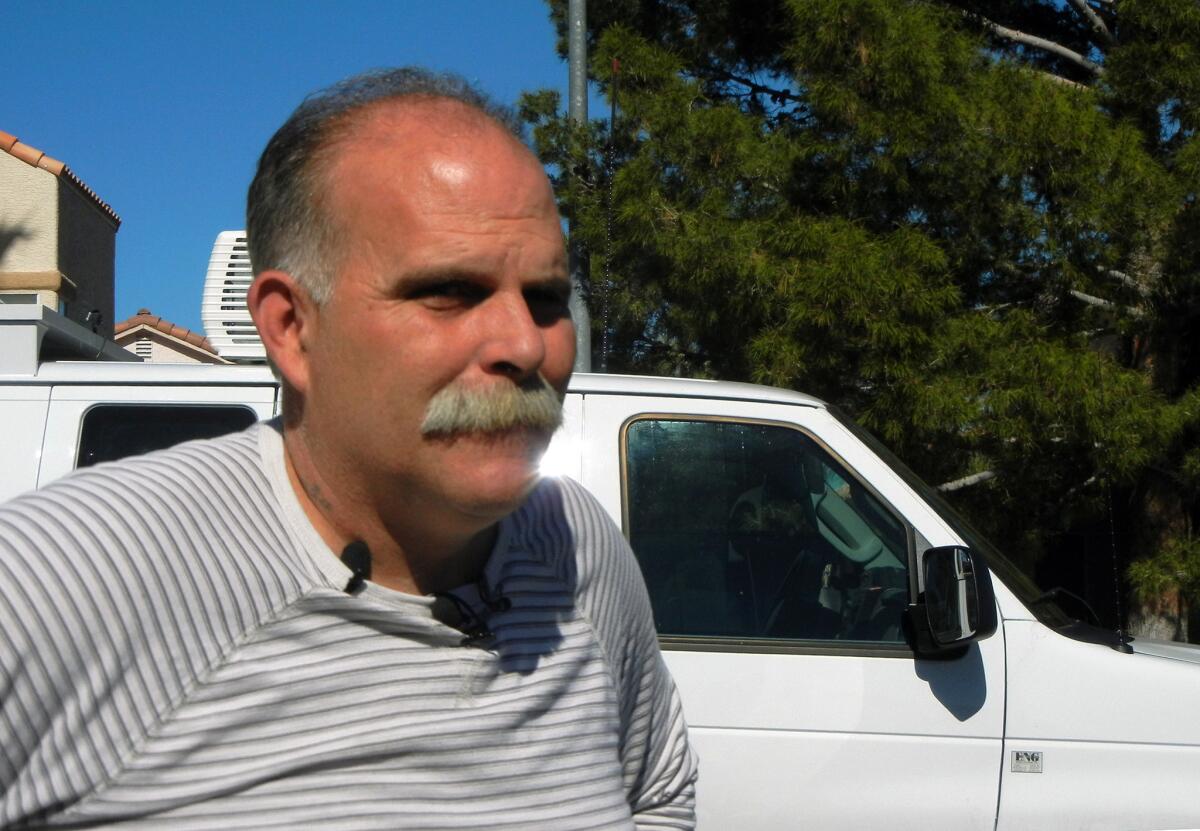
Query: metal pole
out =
(608, 214)
(577, 112)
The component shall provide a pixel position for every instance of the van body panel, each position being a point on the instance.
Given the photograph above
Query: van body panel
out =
(69, 403)
(1118, 736)
(840, 781)
(563, 456)
(847, 737)
(901, 696)
(105, 373)
(848, 727)
(1108, 696)
(22, 425)
(586, 383)
(1102, 786)
(1187, 652)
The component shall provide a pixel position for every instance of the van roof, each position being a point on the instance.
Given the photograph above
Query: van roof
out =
(138, 373)
(586, 382)
(134, 374)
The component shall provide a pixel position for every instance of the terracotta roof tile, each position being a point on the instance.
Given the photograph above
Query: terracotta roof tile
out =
(11, 145)
(145, 317)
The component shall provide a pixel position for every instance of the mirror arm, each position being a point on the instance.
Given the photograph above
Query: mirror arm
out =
(920, 637)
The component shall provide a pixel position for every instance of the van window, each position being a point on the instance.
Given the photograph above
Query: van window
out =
(753, 530)
(112, 431)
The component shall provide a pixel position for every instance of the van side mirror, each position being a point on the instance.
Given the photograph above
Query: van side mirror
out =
(956, 604)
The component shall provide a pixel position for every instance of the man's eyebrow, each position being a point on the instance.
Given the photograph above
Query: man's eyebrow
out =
(554, 282)
(435, 275)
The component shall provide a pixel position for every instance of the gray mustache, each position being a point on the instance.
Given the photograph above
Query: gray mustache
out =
(459, 408)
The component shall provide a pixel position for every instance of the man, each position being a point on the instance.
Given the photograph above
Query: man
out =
(372, 614)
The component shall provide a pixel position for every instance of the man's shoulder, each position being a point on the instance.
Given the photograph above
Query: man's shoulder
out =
(172, 553)
(568, 493)
(122, 584)
(562, 505)
(566, 524)
(167, 515)
(191, 472)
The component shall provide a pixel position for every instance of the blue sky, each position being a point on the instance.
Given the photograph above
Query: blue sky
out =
(163, 107)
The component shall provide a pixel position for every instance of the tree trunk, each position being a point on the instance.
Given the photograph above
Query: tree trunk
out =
(1165, 618)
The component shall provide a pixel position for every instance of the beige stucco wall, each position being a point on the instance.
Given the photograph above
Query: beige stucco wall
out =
(28, 217)
(47, 225)
(162, 353)
(87, 251)
(164, 349)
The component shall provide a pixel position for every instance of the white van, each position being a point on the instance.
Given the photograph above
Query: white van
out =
(850, 654)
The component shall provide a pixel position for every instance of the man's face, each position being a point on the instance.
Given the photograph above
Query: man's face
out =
(452, 273)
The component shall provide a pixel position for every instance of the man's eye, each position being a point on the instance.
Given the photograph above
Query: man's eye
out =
(548, 304)
(452, 292)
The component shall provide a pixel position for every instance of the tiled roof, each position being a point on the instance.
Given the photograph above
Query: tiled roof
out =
(145, 318)
(36, 158)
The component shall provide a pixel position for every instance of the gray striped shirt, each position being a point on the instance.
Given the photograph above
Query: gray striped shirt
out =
(178, 652)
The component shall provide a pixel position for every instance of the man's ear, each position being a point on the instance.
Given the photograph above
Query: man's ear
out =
(286, 317)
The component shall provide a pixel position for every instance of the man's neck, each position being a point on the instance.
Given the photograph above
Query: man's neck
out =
(409, 554)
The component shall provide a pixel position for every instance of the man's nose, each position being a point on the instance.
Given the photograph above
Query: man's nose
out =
(513, 343)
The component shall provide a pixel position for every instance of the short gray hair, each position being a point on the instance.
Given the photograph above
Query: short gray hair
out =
(286, 226)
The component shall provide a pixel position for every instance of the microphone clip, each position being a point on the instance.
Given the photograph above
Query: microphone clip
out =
(453, 611)
(357, 557)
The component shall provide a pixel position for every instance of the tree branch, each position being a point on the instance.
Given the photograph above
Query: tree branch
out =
(967, 481)
(1077, 488)
(776, 94)
(1092, 300)
(1038, 43)
(1122, 277)
(1061, 80)
(1093, 19)
(989, 309)
(1101, 303)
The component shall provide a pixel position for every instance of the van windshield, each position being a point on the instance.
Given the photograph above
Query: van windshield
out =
(1037, 601)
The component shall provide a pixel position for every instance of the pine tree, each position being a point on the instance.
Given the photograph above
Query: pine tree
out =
(970, 225)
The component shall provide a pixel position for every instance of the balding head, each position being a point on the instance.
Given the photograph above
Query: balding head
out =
(425, 356)
(288, 225)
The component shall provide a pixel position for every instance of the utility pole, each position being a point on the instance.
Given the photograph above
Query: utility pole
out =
(577, 257)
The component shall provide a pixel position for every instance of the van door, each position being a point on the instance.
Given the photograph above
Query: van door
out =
(87, 425)
(778, 554)
(22, 424)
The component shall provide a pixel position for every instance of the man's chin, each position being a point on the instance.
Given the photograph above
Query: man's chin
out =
(488, 474)
(496, 498)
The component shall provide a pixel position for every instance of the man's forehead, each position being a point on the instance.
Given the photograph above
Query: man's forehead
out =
(441, 142)
(439, 168)
(415, 118)
(425, 152)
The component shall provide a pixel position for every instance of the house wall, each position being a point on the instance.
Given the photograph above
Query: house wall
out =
(28, 217)
(157, 347)
(55, 243)
(87, 251)
(165, 353)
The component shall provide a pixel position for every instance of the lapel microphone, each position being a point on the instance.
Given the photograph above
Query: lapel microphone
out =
(453, 611)
(357, 557)
(448, 607)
